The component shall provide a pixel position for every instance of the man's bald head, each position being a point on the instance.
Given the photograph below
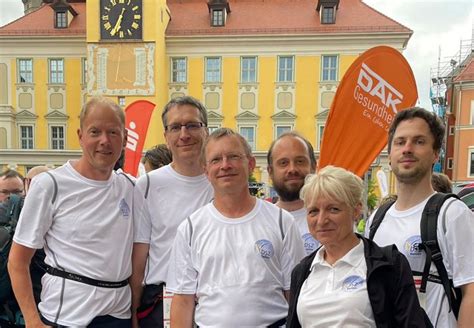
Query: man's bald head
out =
(34, 171)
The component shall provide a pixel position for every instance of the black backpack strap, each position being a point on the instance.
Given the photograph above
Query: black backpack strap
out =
(429, 243)
(55, 192)
(280, 223)
(147, 188)
(378, 217)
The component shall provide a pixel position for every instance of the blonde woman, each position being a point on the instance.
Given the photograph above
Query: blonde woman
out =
(349, 281)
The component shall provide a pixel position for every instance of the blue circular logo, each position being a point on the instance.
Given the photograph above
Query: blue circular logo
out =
(310, 244)
(412, 246)
(353, 283)
(265, 248)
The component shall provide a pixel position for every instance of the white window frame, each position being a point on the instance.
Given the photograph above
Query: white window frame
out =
(60, 19)
(218, 17)
(179, 74)
(330, 69)
(28, 71)
(276, 126)
(28, 139)
(449, 163)
(52, 139)
(328, 15)
(472, 113)
(213, 127)
(320, 132)
(470, 163)
(452, 129)
(246, 70)
(121, 101)
(253, 145)
(283, 72)
(59, 79)
(213, 74)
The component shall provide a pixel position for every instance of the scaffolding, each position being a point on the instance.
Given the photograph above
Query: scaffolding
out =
(446, 70)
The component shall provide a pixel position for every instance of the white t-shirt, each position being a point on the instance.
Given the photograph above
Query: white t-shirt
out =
(238, 268)
(172, 197)
(89, 231)
(336, 296)
(456, 241)
(310, 244)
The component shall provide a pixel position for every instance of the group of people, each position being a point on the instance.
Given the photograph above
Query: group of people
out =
(117, 248)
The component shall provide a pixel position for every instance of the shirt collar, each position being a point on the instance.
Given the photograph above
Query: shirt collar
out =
(352, 258)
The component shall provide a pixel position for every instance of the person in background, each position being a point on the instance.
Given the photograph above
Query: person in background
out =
(290, 159)
(349, 281)
(34, 171)
(441, 183)
(157, 157)
(11, 182)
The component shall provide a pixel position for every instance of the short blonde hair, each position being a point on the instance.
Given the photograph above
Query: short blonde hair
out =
(101, 102)
(334, 183)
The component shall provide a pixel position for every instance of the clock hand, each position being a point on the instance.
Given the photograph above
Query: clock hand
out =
(118, 25)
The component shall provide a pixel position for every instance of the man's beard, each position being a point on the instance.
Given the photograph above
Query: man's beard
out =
(411, 177)
(285, 194)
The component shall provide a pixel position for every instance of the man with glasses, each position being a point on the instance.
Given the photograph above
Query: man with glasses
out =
(11, 182)
(235, 255)
(163, 199)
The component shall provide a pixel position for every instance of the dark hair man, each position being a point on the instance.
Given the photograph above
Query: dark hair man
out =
(290, 159)
(414, 143)
(163, 199)
(11, 182)
(156, 157)
(235, 255)
(81, 214)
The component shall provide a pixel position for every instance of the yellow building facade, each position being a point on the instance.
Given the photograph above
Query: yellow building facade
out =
(261, 68)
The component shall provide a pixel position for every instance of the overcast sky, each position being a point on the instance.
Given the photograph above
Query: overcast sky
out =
(437, 25)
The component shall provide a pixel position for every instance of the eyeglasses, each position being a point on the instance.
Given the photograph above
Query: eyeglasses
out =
(9, 192)
(231, 158)
(190, 126)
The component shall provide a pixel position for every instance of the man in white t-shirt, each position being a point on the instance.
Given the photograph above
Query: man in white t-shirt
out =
(233, 256)
(81, 213)
(290, 159)
(162, 200)
(415, 139)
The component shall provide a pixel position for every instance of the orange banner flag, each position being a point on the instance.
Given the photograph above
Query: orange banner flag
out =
(376, 86)
(137, 119)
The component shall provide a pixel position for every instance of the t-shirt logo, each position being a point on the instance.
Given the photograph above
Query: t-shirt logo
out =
(412, 246)
(265, 248)
(124, 208)
(353, 283)
(310, 244)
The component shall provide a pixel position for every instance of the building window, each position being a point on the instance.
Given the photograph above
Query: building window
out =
(56, 71)
(285, 69)
(452, 129)
(327, 15)
(212, 128)
(213, 69)
(57, 137)
(450, 163)
(178, 70)
(471, 163)
(121, 101)
(280, 129)
(320, 135)
(329, 70)
(248, 69)
(26, 137)
(61, 19)
(84, 70)
(248, 132)
(472, 113)
(25, 70)
(217, 17)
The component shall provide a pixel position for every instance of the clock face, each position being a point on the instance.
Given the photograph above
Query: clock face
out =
(121, 19)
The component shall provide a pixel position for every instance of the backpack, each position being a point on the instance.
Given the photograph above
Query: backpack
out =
(429, 243)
